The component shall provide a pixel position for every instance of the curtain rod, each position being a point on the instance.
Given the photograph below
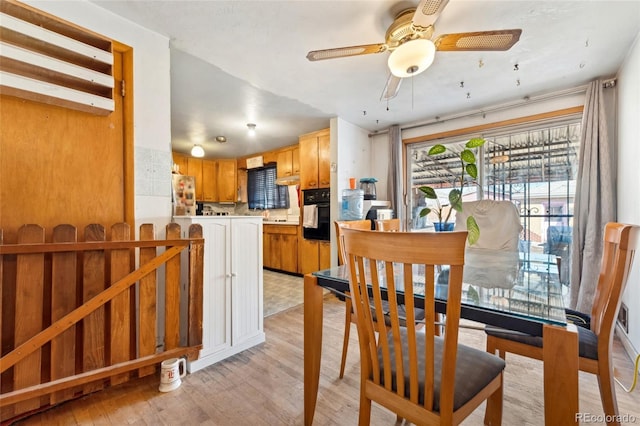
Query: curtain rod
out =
(526, 100)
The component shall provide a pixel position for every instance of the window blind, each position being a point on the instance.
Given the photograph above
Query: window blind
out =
(263, 193)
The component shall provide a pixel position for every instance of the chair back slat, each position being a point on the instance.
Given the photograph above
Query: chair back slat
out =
(392, 225)
(340, 225)
(382, 266)
(620, 243)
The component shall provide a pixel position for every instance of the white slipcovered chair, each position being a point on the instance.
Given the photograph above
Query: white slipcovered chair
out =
(493, 261)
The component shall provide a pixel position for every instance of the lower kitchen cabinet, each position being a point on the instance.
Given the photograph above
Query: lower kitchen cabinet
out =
(232, 316)
(313, 255)
(280, 247)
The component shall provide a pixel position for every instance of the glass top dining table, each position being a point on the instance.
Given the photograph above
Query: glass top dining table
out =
(535, 297)
(532, 304)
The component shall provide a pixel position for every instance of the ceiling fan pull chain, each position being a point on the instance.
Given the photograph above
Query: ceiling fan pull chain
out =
(412, 93)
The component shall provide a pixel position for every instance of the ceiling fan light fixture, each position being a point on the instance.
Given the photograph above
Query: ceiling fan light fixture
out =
(197, 151)
(412, 57)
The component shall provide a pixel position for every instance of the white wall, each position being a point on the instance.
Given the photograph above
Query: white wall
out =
(350, 157)
(152, 103)
(629, 176)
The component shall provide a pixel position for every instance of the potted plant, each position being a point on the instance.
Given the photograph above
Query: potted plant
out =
(468, 174)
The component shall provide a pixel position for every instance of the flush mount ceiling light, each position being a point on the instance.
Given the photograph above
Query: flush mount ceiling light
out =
(221, 139)
(411, 57)
(197, 151)
(252, 129)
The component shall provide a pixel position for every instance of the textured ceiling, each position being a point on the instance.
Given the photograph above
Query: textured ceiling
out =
(235, 62)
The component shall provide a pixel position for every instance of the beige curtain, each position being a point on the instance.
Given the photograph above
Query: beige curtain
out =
(394, 177)
(595, 201)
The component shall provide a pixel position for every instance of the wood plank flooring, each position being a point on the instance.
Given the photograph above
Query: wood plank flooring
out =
(264, 386)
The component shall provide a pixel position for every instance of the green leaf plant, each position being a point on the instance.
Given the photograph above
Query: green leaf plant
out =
(467, 165)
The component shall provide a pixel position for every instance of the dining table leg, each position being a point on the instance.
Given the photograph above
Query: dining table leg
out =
(561, 364)
(312, 344)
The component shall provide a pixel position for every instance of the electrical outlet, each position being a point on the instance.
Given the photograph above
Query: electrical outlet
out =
(623, 318)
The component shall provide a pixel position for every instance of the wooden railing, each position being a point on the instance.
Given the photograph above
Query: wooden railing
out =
(79, 316)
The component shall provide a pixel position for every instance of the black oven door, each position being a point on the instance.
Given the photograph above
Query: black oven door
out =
(323, 231)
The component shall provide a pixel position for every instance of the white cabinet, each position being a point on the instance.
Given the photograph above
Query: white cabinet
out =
(232, 315)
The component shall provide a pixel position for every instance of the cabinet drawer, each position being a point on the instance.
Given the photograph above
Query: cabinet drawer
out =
(280, 229)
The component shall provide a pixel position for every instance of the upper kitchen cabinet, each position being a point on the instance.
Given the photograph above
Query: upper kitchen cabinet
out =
(288, 162)
(227, 181)
(216, 180)
(295, 161)
(314, 160)
(209, 181)
(180, 160)
(194, 168)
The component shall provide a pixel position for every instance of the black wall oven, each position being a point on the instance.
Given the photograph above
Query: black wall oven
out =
(321, 199)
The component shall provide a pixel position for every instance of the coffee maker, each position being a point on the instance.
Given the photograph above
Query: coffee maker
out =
(368, 186)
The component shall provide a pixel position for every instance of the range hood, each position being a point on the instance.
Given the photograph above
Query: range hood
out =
(288, 180)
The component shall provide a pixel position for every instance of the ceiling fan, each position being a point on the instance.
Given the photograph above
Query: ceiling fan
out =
(408, 39)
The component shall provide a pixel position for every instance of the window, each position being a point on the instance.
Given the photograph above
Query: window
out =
(263, 193)
(534, 165)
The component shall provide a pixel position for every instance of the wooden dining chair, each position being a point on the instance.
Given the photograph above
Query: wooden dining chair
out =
(595, 337)
(388, 225)
(349, 318)
(423, 378)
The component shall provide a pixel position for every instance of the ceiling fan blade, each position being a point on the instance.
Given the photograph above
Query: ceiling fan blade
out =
(482, 40)
(391, 88)
(341, 52)
(427, 13)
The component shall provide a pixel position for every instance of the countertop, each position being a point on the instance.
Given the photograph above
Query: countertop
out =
(266, 221)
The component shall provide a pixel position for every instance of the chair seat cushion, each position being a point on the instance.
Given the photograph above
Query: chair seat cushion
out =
(402, 313)
(475, 369)
(587, 340)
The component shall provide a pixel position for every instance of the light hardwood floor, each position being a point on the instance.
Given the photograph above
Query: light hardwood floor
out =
(264, 386)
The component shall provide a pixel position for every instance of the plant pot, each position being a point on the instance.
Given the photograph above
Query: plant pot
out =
(443, 226)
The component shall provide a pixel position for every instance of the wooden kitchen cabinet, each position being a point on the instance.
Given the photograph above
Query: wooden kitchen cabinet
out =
(284, 166)
(280, 244)
(209, 187)
(295, 161)
(181, 161)
(194, 168)
(314, 160)
(216, 180)
(243, 179)
(313, 255)
(227, 181)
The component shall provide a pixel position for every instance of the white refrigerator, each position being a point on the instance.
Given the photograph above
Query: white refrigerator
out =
(184, 195)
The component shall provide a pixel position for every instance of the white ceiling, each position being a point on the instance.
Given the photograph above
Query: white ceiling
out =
(236, 62)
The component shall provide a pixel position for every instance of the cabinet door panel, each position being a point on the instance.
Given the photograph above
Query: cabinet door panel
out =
(243, 179)
(247, 282)
(194, 166)
(284, 167)
(209, 187)
(181, 161)
(308, 252)
(324, 255)
(324, 159)
(227, 189)
(295, 161)
(308, 162)
(289, 253)
(216, 309)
